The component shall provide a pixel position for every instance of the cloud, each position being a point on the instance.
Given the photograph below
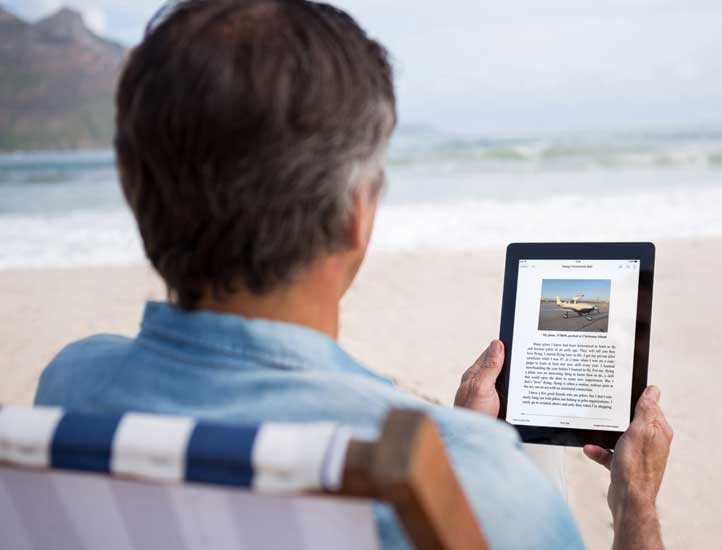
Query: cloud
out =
(520, 65)
(96, 19)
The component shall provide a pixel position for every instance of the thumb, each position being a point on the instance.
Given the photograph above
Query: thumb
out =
(653, 393)
(485, 370)
(647, 403)
(491, 361)
(598, 455)
(478, 384)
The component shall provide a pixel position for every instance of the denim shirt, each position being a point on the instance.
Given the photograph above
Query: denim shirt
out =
(229, 368)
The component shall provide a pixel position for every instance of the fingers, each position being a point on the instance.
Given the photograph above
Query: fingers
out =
(599, 455)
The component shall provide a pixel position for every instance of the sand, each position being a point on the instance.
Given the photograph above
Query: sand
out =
(422, 318)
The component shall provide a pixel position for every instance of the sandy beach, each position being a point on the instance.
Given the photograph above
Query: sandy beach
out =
(422, 318)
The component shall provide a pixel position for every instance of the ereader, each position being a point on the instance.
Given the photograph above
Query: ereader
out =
(575, 324)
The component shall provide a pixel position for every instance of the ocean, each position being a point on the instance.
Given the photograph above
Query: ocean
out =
(66, 209)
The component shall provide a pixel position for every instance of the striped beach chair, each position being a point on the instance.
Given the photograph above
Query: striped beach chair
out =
(143, 481)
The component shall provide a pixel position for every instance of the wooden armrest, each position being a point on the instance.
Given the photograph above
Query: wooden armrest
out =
(408, 467)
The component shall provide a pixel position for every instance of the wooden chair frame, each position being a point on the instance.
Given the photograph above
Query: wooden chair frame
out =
(408, 468)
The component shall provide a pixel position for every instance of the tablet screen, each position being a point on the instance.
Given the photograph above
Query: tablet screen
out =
(573, 346)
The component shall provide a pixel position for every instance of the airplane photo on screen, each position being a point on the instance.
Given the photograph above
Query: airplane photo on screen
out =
(574, 305)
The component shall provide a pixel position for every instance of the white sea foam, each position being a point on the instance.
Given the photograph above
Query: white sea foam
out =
(671, 214)
(62, 209)
(110, 238)
(74, 239)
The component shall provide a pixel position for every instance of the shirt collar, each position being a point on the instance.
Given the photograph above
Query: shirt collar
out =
(229, 336)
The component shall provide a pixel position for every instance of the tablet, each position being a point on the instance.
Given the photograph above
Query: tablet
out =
(575, 323)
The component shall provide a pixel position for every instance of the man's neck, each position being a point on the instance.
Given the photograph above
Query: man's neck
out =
(311, 302)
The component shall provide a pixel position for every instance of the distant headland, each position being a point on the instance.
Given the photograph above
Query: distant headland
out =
(57, 83)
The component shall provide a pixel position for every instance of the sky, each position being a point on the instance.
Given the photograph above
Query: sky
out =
(566, 289)
(486, 67)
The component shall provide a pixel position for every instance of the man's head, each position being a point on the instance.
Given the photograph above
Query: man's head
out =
(251, 137)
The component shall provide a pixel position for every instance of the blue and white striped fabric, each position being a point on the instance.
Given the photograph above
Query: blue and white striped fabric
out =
(271, 457)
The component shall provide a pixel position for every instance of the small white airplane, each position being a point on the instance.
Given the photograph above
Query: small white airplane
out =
(580, 308)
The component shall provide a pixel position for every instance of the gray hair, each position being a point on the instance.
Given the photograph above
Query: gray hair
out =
(243, 131)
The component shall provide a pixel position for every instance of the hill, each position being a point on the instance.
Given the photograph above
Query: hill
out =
(57, 83)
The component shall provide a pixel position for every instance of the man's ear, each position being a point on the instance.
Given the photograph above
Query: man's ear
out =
(363, 214)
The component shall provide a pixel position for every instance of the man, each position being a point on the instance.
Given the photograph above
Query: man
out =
(251, 138)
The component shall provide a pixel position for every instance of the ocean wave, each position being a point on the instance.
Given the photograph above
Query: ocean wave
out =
(561, 153)
(69, 240)
(465, 225)
(110, 237)
(421, 151)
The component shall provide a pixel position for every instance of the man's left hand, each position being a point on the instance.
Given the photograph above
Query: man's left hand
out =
(478, 384)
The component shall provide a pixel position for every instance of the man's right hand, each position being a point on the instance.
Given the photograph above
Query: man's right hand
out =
(637, 467)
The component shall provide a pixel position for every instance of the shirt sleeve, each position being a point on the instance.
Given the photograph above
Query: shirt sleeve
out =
(517, 507)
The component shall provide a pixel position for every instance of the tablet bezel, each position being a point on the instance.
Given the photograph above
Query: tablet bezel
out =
(642, 251)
